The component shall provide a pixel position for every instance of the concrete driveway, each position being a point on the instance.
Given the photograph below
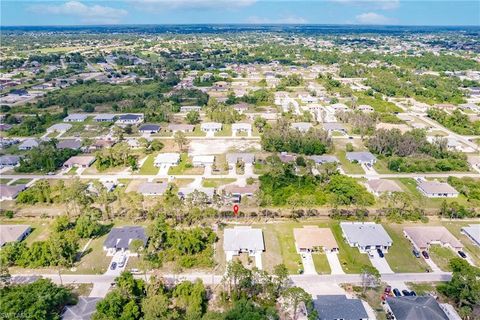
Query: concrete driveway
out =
(116, 258)
(380, 264)
(335, 266)
(432, 265)
(308, 265)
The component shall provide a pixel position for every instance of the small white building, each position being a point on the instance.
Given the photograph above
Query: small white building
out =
(241, 127)
(243, 239)
(167, 159)
(435, 189)
(366, 236)
(75, 117)
(211, 126)
(132, 119)
(203, 161)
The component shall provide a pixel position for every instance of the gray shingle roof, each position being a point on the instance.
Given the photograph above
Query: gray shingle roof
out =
(9, 160)
(366, 234)
(243, 238)
(235, 157)
(334, 307)
(83, 310)
(418, 308)
(324, 159)
(361, 156)
(149, 127)
(120, 238)
(69, 144)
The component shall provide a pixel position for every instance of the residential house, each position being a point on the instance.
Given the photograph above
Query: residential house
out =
(334, 127)
(105, 117)
(365, 108)
(302, 126)
(211, 127)
(423, 237)
(75, 117)
(167, 159)
(362, 157)
(435, 189)
(324, 159)
(10, 192)
(28, 144)
(234, 158)
(335, 307)
(9, 161)
(13, 233)
(241, 127)
(74, 144)
(59, 127)
(79, 161)
(414, 307)
(203, 161)
(152, 188)
(473, 232)
(149, 128)
(82, 310)
(366, 236)
(180, 127)
(380, 186)
(243, 239)
(190, 108)
(119, 239)
(132, 119)
(313, 238)
(241, 107)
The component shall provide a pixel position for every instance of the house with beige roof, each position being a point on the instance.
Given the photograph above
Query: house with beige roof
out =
(435, 189)
(313, 238)
(423, 237)
(379, 186)
(13, 232)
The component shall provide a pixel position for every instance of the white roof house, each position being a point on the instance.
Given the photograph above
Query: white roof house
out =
(241, 127)
(199, 161)
(105, 117)
(13, 232)
(362, 157)
(379, 186)
(59, 127)
(152, 188)
(164, 159)
(302, 126)
(366, 236)
(211, 126)
(75, 117)
(243, 239)
(247, 158)
(435, 189)
(473, 232)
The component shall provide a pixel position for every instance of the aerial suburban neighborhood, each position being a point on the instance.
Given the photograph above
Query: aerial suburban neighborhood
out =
(239, 172)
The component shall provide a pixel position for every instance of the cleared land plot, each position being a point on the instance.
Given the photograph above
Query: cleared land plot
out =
(225, 132)
(321, 263)
(472, 250)
(185, 167)
(148, 166)
(94, 260)
(215, 183)
(351, 259)
(441, 256)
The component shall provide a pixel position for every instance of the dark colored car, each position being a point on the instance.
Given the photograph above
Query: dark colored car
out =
(387, 290)
(462, 254)
(380, 253)
(113, 266)
(413, 293)
(425, 254)
(416, 253)
(406, 292)
(397, 293)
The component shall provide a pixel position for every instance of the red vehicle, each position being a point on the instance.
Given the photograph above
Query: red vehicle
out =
(387, 292)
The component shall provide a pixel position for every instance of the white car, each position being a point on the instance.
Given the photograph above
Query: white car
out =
(121, 261)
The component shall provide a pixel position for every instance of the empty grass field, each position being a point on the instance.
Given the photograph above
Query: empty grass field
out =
(347, 166)
(148, 166)
(441, 256)
(321, 263)
(185, 167)
(217, 182)
(351, 259)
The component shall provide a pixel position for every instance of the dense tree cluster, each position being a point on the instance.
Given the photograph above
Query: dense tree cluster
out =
(41, 299)
(187, 247)
(455, 121)
(261, 97)
(463, 288)
(32, 125)
(411, 152)
(282, 138)
(281, 185)
(469, 187)
(292, 80)
(222, 113)
(45, 158)
(118, 155)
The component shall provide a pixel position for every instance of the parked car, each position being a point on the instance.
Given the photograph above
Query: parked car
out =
(406, 292)
(425, 254)
(113, 266)
(122, 261)
(397, 293)
(388, 290)
(462, 254)
(413, 293)
(380, 253)
(416, 253)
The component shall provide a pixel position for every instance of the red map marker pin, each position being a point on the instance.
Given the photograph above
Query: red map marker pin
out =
(235, 209)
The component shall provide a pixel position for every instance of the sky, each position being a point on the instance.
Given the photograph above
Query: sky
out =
(370, 12)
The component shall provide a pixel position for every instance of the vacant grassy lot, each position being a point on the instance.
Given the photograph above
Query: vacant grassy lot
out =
(225, 132)
(321, 263)
(351, 259)
(94, 260)
(441, 256)
(185, 167)
(21, 181)
(4, 181)
(215, 183)
(455, 228)
(148, 166)
(399, 256)
(381, 166)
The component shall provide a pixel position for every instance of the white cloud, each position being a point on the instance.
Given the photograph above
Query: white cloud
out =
(285, 20)
(372, 18)
(87, 14)
(377, 4)
(191, 4)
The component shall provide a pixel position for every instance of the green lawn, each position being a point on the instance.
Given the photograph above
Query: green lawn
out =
(441, 256)
(95, 260)
(349, 167)
(321, 263)
(351, 259)
(215, 183)
(21, 181)
(399, 256)
(72, 171)
(4, 181)
(381, 166)
(225, 132)
(197, 132)
(148, 166)
(471, 249)
(185, 167)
